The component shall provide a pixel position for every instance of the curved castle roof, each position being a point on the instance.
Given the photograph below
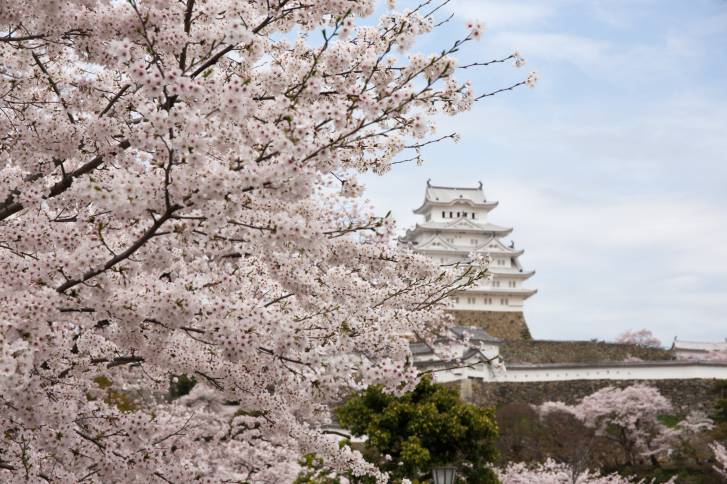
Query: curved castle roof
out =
(442, 196)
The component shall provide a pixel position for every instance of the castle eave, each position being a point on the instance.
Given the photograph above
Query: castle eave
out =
(436, 227)
(501, 291)
(428, 205)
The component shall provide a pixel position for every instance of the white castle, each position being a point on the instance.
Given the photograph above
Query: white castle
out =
(456, 225)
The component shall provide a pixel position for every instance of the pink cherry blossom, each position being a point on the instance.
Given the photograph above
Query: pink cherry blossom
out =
(551, 472)
(476, 28)
(633, 411)
(642, 337)
(720, 454)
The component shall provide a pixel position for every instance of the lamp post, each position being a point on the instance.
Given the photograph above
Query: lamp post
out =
(444, 474)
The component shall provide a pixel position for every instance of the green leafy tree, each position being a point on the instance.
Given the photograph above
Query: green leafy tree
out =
(426, 427)
(314, 473)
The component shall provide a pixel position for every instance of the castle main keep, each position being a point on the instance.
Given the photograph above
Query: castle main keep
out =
(456, 224)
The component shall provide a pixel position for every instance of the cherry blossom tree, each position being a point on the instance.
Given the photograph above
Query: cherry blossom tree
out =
(681, 438)
(643, 337)
(720, 454)
(178, 197)
(627, 416)
(551, 472)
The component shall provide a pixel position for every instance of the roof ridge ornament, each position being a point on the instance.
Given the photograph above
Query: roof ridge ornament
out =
(429, 182)
(480, 184)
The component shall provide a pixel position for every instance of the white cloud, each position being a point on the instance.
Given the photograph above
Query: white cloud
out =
(552, 47)
(631, 262)
(501, 14)
(613, 177)
(691, 234)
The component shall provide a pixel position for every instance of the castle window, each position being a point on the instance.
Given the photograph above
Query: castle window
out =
(428, 217)
(444, 214)
(473, 215)
(455, 299)
(471, 300)
(457, 214)
(450, 214)
(464, 214)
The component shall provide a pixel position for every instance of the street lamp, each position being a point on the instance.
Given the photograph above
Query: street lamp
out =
(444, 474)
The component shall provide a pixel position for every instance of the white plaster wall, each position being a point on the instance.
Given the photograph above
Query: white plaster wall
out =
(460, 302)
(614, 373)
(653, 371)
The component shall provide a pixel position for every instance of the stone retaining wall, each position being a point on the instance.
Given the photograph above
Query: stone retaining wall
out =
(541, 351)
(506, 325)
(686, 395)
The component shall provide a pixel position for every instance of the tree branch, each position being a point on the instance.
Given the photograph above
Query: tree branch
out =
(123, 255)
(10, 206)
(53, 86)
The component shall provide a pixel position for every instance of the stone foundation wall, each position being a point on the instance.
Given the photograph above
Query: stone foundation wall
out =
(686, 395)
(501, 324)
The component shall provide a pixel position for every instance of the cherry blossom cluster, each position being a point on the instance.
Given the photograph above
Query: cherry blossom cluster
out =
(720, 454)
(552, 472)
(630, 417)
(642, 337)
(179, 196)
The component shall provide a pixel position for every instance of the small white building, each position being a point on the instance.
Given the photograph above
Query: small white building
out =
(460, 352)
(456, 224)
(697, 350)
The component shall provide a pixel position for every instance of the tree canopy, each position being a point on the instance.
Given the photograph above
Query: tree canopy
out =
(429, 426)
(179, 195)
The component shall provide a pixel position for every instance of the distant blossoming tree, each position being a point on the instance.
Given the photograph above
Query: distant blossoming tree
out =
(681, 437)
(178, 196)
(627, 416)
(720, 454)
(643, 337)
(551, 472)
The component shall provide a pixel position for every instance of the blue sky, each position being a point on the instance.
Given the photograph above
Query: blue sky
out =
(613, 170)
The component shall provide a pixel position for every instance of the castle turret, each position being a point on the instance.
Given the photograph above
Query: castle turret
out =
(455, 225)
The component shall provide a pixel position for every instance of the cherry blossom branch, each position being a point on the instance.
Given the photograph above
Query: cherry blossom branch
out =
(441, 138)
(123, 255)
(54, 86)
(484, 360)
(484, 64)
(114, 99)
(215, 58)
(517, 84)
(10, 206)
